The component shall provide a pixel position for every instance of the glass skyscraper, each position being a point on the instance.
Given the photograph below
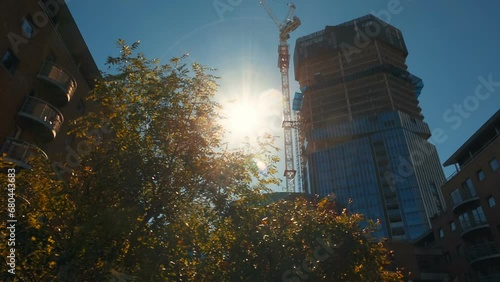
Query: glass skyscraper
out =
(363, 133)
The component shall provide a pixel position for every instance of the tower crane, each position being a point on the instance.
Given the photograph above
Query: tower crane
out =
(285, 27)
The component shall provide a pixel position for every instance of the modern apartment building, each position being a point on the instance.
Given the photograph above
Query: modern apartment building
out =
(468, 231)
(420, 260)
(363, 132)
(45, 71)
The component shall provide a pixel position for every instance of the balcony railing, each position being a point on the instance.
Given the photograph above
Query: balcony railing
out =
(63, 43)
(491, 278)
(466, 196)
(483, 251)
(474, 156)
(45, 118)
(16, 152)
(63, 84)
(473, 224)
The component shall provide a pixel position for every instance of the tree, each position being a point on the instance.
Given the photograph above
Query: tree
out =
(151, 194)
(299, 239)
(151, 164)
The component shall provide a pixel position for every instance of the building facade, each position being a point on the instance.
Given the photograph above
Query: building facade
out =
(468, 231)
(362, 128)
(420, 260)
(46, 70)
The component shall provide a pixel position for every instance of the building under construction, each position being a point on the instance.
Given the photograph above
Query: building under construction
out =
(363, 132)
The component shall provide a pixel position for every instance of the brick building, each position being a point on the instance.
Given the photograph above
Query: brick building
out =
(46, 70)
(468, 231)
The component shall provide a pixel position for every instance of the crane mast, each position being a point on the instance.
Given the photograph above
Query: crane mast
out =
(290, 24)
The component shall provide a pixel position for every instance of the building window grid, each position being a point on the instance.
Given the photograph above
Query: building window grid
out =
(393, 147)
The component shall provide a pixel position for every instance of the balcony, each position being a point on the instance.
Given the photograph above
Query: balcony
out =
(482, 252)
(491, 278)
(18, 152)
(61, 85)
(474, 224)
(467, 197)
(42, 117)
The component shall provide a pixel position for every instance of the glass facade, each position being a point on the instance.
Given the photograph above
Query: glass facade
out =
(385, 177)
(366, 138)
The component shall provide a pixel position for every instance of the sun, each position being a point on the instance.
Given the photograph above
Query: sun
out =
(242, 118)
(246, 117)
(249, 119)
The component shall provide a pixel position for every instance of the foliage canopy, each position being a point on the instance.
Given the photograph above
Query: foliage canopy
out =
(153, 196)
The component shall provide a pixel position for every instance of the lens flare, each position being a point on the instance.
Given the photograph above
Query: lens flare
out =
(261, 166)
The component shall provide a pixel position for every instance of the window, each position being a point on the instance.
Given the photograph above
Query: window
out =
(453, 226)
(51, 57)
(480, 175)
(435, 193)
(80, 107)
(447, 257)
(368, 23)
(491, 202)
(318, 76)
(28, 27)
(441, 233)
(460, 251)
(456, 197)
(479, 216)
(398, 231)
(10, 61)
(494, 164)
(464, 220)
(468, 185)
(389, 123)
(52, 10)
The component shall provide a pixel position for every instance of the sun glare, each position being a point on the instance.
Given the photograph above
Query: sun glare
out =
(243, 118)
(247, 117)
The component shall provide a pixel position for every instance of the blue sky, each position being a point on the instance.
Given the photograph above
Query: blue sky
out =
(452, 45)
